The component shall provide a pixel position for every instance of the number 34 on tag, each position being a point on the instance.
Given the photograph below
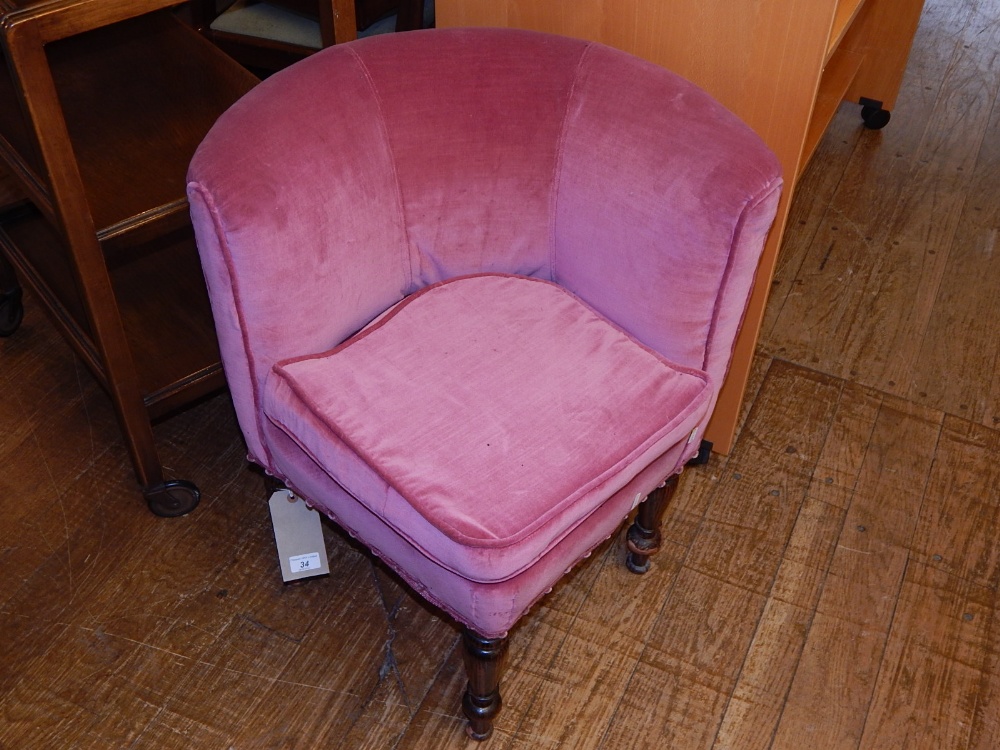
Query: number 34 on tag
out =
(302, 563)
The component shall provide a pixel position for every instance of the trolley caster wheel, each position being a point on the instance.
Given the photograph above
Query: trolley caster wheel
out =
(875, 118)
(171, 499)
(11, 311)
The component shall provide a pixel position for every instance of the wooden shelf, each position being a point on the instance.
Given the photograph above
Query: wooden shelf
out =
(140, 92)
(847, 11)
(167, 319)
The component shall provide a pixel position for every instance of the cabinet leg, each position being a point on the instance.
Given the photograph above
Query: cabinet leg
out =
(168, 498)
(704, 454)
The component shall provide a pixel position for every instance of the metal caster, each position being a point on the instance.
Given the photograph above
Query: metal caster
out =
(173, 498)
(872, 114)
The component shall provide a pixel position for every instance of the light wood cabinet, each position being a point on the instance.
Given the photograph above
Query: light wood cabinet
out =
(784, 66)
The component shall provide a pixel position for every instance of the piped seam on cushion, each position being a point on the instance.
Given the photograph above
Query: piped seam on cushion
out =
(291, 435)
(381, 320)
(454, 534)
(540, 522)
(436, 556)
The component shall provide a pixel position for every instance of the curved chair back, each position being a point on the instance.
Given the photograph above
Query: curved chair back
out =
(430, 155)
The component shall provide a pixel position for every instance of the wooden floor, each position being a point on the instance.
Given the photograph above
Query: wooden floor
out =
(831, 584)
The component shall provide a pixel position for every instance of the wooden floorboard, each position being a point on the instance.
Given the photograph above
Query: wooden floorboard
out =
(832, 583)
(876, 280)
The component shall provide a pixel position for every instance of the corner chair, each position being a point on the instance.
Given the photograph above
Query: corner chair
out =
(476, 291)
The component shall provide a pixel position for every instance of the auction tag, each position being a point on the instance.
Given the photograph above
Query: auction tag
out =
(298, 534)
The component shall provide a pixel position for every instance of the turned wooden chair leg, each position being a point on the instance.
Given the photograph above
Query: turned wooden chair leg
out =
(484, 661)
(644, 534)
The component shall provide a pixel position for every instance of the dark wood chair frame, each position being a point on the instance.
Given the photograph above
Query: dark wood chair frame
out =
(485, 658)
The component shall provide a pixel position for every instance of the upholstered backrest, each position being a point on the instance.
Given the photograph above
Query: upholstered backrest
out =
(664, 203)
(370, 170)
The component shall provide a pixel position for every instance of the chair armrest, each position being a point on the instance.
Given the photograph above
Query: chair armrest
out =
(664, 201)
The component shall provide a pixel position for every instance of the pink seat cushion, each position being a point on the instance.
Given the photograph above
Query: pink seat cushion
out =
(485, 417)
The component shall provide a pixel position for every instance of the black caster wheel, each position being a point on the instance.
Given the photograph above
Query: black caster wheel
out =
(171, 499)
(11, 311)
(875, 118)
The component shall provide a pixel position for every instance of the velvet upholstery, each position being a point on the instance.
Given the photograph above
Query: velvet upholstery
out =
(475, 292)
(496, 390)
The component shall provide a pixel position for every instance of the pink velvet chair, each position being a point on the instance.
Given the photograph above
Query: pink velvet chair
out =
(476, 291)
